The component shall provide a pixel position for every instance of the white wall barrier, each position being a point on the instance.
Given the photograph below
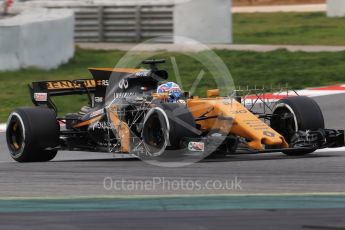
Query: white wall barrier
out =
(335, 8)
(36, 37)
(207, 21)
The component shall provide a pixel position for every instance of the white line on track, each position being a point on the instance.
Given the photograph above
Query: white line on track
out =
(341, 149)
(2, 128)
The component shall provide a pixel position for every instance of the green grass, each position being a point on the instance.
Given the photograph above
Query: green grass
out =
(298, 69)
(288, 28)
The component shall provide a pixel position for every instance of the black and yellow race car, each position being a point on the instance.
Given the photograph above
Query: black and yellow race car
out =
(136, 111)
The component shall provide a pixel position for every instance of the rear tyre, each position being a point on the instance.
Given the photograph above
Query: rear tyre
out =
(165, 127)
(295, 114)
(30, 131)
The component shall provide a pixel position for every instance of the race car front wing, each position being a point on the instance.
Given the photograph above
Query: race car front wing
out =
(302, 141)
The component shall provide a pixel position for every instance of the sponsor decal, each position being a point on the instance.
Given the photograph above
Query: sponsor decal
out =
(98, 99)
(139, 99)
(123, 84)
(96, 113)
(102, 125)
(56, 85)
(123, 95)
(196, 146)
(239, 111)
(269, 134)
(216, 135)
(41, 97)
(102, 82)
(256, 124)
(143, 73)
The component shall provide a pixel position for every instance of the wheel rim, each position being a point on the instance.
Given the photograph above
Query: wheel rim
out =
(16, 136)
(285, 122)
(154, 136)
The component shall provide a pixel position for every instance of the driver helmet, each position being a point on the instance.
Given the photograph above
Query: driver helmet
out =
(173, 89)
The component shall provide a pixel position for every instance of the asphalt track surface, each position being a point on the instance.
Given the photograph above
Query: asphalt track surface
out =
(275, 175)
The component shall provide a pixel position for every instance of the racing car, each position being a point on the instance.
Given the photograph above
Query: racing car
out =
(139, 112)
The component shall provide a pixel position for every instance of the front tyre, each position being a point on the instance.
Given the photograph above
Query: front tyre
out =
(31, 134)
(295, 114)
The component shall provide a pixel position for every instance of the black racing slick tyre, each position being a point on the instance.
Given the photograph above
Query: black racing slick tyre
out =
(295, 114)
(31, 134)
(165, 127)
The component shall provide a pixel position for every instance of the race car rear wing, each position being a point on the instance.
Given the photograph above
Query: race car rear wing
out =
(42, 91)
